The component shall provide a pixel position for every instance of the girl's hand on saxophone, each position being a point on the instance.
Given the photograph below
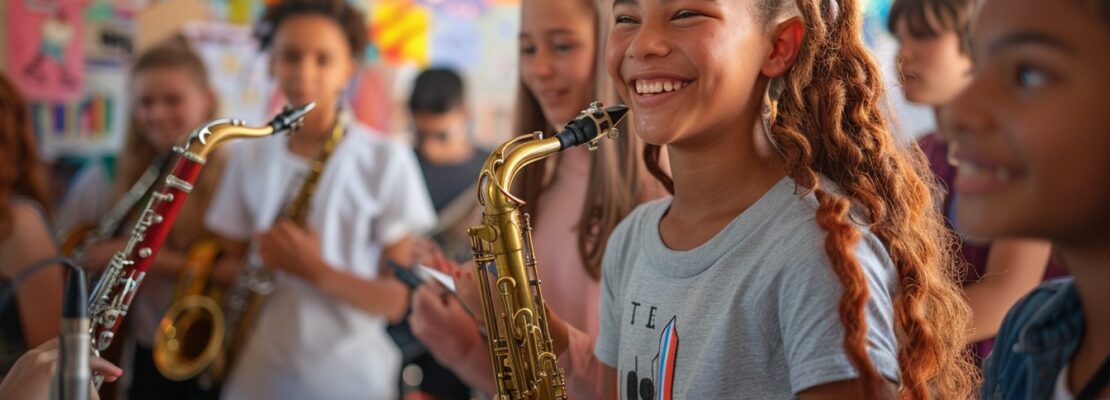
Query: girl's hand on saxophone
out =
(295, 250)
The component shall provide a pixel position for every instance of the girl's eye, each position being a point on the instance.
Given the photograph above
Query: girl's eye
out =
(624, 19)
(685, 14)
(563, 48)
(528, 50)
(1029, 77)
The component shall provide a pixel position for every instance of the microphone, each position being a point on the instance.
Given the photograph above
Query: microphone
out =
(75, 342)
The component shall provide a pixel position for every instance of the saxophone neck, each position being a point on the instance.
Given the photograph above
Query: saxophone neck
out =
(502, 167)
(210, 136)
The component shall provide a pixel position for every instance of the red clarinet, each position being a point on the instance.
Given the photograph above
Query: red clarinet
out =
(117, 286)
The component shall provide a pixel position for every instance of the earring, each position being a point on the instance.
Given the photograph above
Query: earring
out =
(770, 109)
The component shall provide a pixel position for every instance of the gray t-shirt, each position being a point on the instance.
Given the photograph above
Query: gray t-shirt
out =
(752, 313)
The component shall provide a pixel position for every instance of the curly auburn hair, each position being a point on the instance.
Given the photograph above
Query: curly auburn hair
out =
(21, 173)
(350, 20)
(831, 124)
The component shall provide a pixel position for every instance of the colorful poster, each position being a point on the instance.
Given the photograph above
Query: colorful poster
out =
(92, 123)
(46, 48)
(109, 30)
(399, 30)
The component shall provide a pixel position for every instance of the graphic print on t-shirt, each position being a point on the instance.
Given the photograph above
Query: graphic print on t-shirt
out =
(658, 380)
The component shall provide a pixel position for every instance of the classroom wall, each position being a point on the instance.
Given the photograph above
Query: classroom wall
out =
(84, 121)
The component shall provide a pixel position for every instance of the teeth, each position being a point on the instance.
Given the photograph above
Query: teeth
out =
(976, 171)
(659, 86)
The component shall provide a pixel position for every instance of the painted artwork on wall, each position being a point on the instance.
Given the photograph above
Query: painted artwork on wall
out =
(46, 48)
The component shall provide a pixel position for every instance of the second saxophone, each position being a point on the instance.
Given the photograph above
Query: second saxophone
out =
(520, 343)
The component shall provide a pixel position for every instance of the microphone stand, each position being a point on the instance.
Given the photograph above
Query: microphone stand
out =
(74, 341)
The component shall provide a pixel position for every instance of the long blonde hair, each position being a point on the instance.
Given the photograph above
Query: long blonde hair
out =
(613, 189)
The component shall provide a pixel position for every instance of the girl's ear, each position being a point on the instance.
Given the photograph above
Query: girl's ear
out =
(786, 43)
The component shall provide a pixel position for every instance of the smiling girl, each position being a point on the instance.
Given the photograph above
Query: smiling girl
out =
(800, 254)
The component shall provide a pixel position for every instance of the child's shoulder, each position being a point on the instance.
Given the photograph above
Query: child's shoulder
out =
(795, 234)
(1045, 302)
(1046, 308)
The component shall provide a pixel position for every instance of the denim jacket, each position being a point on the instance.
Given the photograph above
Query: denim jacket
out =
(1037, 339)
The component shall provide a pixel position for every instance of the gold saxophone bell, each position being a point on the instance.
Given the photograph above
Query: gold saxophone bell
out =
(190, 337)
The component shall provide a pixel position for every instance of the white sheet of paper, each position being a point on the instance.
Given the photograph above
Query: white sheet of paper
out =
(426, 272)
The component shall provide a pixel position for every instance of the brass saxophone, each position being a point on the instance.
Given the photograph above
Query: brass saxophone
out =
(199, 335)
(188, 338)
(524, 363)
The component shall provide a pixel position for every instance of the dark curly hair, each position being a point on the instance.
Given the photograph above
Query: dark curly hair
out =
(351, 21)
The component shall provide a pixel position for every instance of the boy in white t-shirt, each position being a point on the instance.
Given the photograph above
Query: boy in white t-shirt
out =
(321, 333)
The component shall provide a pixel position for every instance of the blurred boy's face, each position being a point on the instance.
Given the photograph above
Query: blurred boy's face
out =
(441, 137)
(311, 60)
(932, 70)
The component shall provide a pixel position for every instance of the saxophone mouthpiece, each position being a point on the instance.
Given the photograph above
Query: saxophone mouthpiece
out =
(291, 119)
(592, 125)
